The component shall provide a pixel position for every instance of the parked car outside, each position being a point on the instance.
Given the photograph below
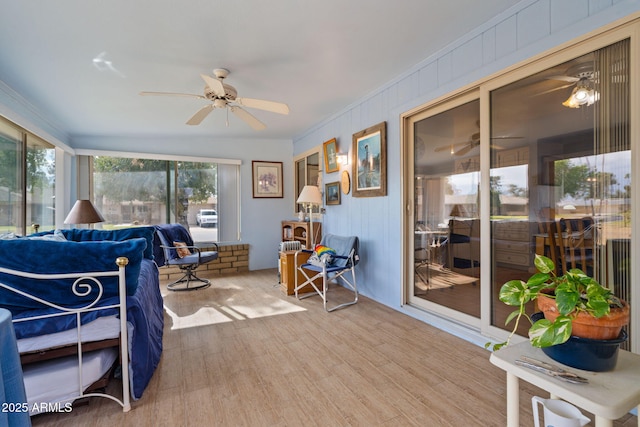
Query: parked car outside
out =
(207, 218)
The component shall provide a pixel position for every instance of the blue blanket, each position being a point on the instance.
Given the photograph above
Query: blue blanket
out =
(146, 317)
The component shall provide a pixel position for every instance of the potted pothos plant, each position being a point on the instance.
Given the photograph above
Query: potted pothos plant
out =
(569, 302)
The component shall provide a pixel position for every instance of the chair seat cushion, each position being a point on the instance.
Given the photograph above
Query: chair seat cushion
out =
(330, 268)
(205, 257)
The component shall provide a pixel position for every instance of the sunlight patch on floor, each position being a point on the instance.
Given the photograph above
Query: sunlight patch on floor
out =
(270, 308)
(230, 311)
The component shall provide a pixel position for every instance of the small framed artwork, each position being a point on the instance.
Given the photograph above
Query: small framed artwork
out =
(369, 174)
(267, 179)
(332, 193)
(330, 156)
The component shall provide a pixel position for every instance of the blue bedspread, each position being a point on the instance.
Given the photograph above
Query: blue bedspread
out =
(146, 317)
(146, 325)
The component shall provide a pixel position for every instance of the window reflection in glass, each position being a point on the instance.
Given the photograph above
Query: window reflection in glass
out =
(40, 186)
(447, 225)
(562, 163)
(11, 168)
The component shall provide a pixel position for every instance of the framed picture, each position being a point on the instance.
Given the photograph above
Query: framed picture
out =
(330, 156)
(369, 175)
(267, 179)
(332, 193)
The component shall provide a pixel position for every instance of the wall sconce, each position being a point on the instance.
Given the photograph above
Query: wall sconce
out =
(342, 159)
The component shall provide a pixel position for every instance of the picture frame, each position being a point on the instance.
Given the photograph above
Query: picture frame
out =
(369, 173)
(266, 179)
(330, 149)
(332, 193)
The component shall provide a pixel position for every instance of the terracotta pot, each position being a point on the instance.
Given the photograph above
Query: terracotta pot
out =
(586, 326)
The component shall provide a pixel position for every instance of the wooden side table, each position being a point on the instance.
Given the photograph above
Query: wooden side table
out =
(608, 395)
(288, 269)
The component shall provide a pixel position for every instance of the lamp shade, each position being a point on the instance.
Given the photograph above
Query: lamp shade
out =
(458, 211)
(83, 212)
(310, 194)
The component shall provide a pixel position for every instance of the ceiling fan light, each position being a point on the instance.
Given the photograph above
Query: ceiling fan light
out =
(571, 102)
(581, 95)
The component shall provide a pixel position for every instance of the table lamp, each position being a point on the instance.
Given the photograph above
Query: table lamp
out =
(458, 211)
(83, 212)
(310, 196)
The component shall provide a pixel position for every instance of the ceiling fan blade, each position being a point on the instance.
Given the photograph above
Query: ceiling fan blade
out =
(554, 89)
(464, 150)
(214, 84)
(248, 118)
(274, 107)
(450, 146)
(186, 95)
(507, 137)
(569, 79)
(198, 117)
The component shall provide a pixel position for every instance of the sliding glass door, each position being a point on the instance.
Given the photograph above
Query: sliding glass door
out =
(494, 170)
(565, 163)
(446, 231)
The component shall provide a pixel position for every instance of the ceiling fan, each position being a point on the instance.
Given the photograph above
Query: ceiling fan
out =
(473, 142)
(225, 96)
(470, 144)
(579, 74)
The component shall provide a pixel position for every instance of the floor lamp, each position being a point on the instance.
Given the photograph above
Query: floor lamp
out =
(310, 196)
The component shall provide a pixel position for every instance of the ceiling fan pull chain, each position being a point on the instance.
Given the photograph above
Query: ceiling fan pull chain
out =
(227, 122)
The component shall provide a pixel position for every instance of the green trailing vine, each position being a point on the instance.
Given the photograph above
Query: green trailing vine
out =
(573, 291)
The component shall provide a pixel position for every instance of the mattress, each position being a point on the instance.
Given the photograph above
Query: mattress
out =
(99, 329)
(51, 383)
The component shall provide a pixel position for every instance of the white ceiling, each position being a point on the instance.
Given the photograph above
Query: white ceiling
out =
(317, 56)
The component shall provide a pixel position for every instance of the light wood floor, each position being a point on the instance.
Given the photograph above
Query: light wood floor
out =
(241, 353)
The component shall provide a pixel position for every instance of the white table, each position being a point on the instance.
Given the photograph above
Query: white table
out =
(608, 395)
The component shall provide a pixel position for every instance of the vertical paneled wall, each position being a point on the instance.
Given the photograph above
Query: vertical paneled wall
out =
(529, 29)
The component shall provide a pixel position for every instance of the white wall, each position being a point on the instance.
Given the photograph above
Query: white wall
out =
(528, 29)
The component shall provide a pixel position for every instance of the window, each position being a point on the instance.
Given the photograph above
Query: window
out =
(135, 191)
(27, 181)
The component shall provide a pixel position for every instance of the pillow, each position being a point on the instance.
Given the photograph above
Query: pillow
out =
(116, 235)
(182, 249)
(56, 236)
(8, 236)
(322, 255)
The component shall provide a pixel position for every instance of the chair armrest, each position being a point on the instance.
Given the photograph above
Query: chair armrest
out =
(295, 257)
(209, 244)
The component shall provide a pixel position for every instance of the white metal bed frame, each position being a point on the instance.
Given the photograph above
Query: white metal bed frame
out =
(83, 285)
